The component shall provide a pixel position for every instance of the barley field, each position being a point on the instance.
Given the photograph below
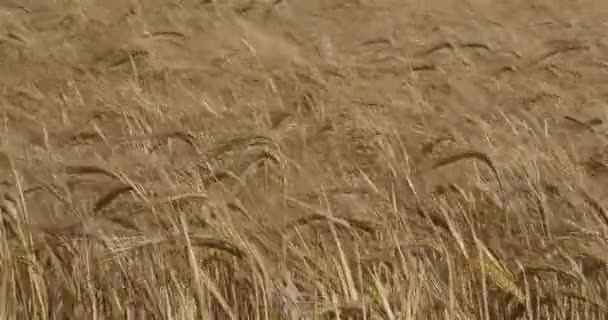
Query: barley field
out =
(303, 159)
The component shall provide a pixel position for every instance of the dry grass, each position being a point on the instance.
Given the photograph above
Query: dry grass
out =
(318, 159)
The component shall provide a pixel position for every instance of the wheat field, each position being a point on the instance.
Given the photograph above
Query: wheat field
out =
(312, 159)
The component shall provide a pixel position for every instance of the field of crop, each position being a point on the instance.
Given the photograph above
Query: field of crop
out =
(303, 159)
